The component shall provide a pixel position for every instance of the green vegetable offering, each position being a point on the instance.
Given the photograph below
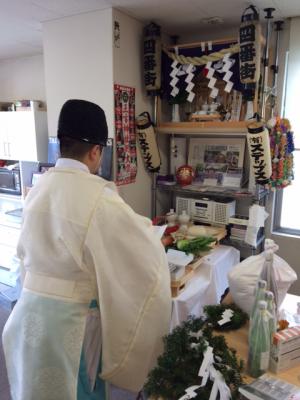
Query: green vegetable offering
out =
(195, 246)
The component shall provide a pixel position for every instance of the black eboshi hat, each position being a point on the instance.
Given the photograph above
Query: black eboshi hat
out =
(83, 120)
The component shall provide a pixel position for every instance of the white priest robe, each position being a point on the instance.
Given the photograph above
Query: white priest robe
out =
(81, 243)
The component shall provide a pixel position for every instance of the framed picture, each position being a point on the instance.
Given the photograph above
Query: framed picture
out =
(217, 153)
(216, 160)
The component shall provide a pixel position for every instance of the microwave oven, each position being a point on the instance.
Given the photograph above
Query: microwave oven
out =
(10, 181)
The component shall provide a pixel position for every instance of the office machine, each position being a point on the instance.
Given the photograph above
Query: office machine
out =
(207, 210)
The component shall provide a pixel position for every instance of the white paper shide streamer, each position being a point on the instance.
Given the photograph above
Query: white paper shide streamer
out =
(190, 85)
(212, 81)
(174, 80)
(189, 70)
(226, 316)
(208, 371)
(190, 392)
(228, 63)
(175, 69)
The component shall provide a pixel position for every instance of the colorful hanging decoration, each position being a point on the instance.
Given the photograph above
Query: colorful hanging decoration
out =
(125, 134)
(260, 154)
(282, 147)
(148, 143)
(152, 58)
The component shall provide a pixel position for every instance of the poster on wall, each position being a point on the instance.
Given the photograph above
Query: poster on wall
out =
(125, 134)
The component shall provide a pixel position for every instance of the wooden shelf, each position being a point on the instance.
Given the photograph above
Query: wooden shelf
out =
(234, 128)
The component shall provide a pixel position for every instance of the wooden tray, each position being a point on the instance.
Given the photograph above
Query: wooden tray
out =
(196, 263)
(178, 286)
(205, 117)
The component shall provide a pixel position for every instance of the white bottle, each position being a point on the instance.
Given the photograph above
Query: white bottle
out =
(297, 315)
(171, 217)
(183, 219)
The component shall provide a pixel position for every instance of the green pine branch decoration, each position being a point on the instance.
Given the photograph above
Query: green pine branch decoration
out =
(178, 366)
(214, 314)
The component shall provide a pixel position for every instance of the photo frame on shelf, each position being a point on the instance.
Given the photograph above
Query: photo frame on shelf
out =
(217, 161)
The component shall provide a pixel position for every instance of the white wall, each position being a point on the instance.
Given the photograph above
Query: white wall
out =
(210, 32)
(128, 70)
(81, 62)
(78, 63)
(22, 78)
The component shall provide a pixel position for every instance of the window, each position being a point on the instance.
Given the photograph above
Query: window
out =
(287, 201)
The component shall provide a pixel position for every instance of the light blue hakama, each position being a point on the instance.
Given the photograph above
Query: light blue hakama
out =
(44, 348)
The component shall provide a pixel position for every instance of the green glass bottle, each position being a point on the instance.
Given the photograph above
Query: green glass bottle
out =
(272, 313)
(260, 293)
(259, 342)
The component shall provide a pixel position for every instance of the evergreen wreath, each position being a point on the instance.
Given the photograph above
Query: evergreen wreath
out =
(214, 314)
(178, 366)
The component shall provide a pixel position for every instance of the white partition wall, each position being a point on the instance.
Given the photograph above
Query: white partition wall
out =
(78, 56)
(81, 61)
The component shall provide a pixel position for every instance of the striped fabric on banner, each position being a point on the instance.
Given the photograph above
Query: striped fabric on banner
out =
(125, 134)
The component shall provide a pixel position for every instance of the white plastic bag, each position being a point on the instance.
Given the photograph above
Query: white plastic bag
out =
(244, 276)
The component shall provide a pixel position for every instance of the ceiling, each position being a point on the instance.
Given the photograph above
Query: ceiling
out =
(21, 20)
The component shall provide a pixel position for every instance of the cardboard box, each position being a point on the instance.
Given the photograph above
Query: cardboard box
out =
(285, 351)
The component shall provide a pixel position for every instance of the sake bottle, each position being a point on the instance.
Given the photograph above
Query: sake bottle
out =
(259, 342)
(259, 295)
(272, 314)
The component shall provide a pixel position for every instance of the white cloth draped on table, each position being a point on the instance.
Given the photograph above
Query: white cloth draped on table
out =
(207, 285)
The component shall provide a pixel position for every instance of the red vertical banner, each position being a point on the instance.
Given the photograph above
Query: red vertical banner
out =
(125, 134)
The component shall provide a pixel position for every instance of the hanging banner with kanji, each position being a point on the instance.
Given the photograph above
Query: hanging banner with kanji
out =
(152, 58)
(250, 47)
(260, 153)
(125, 134)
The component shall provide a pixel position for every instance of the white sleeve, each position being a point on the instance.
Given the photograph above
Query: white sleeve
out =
(133, 284)
(20, 270)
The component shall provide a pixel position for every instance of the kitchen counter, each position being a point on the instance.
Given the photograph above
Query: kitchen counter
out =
(9, 216)
(10, 227)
